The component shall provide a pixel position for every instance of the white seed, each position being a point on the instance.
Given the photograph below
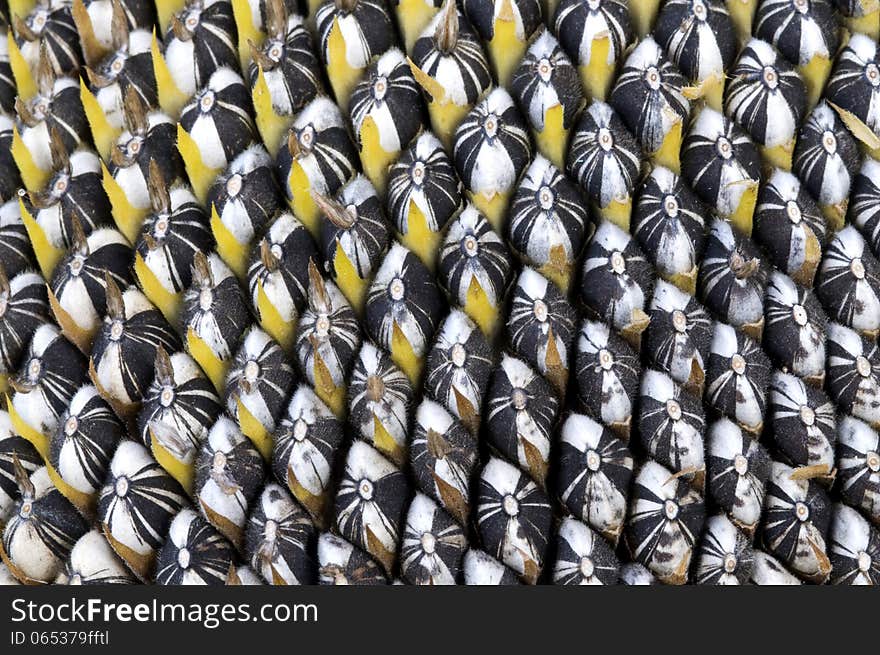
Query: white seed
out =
(808, 416)
(35, 367)
(540, 310)
(121, 487)
(738, 364)
(653, 78)
(365, 489)
(679, 321)
(251, 371)
(300, 430)
(587, 567)
(397, 289)
(730, 563)
(71, 425)
(857, 268)
(429, 543)
(233, 185)
(459, 355)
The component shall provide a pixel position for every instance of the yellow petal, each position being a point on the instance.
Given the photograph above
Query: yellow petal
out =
(352, 285)
(493, 207)
(21, 7)
(710, 90)
(618, 211)
(183, 472)
(254, 430)
(419, 237)
(867, 24)
(271, 320)
(25, 84)
(598, 74)
(233, 253)
(165, 299)
(668, 153)
(201, 176)
(342, 75)
(33, 177)
(506, 50)
(247, 31)
(213, 366)
(332, 395)
(741, 218)
(643, 13)
(385, 443)
(301, 203)
(374, 158)
(814, 74)
(23, 429)
(478, 307)
(778, 156)
(272, 127)
(404, 356)
(445, 115)
(47, 255)
(742, 12)
(127, 217)
(553, 139)
(171, 99)
(103, 133)
(558, 268)
(413, 16)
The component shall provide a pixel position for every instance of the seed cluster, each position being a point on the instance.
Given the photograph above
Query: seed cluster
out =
(475, 292)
